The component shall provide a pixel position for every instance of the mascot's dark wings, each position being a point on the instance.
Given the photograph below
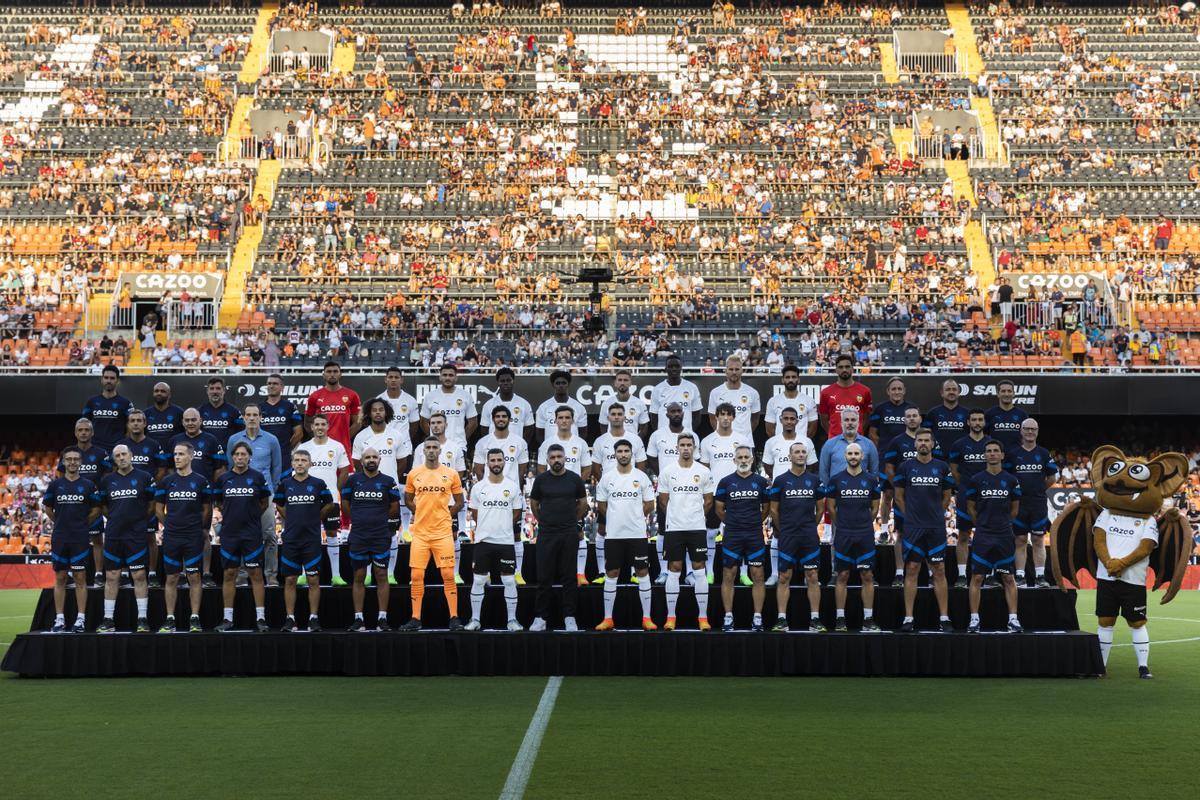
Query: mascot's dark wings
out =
(1133, 487)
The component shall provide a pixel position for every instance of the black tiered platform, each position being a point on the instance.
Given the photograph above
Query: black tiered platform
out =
(619, 653)
(1039, 609)
(1052, 647)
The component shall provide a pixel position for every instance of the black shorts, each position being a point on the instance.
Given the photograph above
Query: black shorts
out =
(123, 552)
(750, 549)
(1115, 598)
(803, 551)
(1031, 519)
(242, 551)
(925, 544)
(487, 557)
(693, 544)
(993, 553)
(370, 549)
(69, 555)
(621, 553)
(853, 551)
(182, 555)
(297, 557)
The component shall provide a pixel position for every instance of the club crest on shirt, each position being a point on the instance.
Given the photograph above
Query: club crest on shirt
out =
(345, 398)
(637, 484)
(389, 441)
(695, 479)
(506, 493)
(329, 454)
(574, 451)
(745, 399)
(512, 449)
(458, 402)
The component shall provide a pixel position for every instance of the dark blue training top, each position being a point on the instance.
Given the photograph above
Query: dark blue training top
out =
(148, 456)
(923, 485)
(163, 426)
(1005, 426)
(967, 455)
(279, 420)
(854, 495)
(888, 418)
(128, 499)
(72, 502)
(993, 495)
(743, 499)
(108, 415)
(1031, 468)
(797, 496)
(221, 421)
(238, 496)
(303, 501)
(207, 453)
(185, 498)
(370, 500)
(947, 424)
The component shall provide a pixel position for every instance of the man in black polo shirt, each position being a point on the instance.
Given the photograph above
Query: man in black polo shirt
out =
(558, 501)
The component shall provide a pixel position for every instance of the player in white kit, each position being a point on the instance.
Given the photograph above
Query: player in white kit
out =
(331, 464)
(512, 446)
(624, 497)
(495, 504)
(685, 495)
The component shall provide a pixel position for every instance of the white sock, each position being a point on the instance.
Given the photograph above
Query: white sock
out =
(1039, 572)
(405, 518)
(868, 613)
(1105, 635)
(610, 596)
(78, 619)
(841, 613)
(599, 555)
(142, 603)
(744, 572)
(519, 551)
(899, 572)
(812, 615)
(701, 589)
(644, 587)
(908, 619)
(358, 615)
(728, 617)
(457, 552)
(1020, 576)
(510, 595)
(110, 608)
(1141, 645)
(335, 557)
(775, 556)
(974, 619)
(1013, 618)
(672, 591)
(712, 552)
(392, 558)
(757, 618)
(478, 587)
(59, 618)
(229, 615)
(943, 618)
(581, 558)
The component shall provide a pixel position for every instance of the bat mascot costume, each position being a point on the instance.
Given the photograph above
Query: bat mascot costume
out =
(1118, 535)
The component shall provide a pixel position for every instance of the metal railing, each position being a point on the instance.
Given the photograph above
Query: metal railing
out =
(192, 315)
(285, 147)
(1042, 314)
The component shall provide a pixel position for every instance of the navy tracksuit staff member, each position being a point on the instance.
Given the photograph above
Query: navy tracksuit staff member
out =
(743, 501)
(304, 501)
(183, 502)
(243, 496)
(923, 487)
(993, 498)
(70, 502)
(126, 497)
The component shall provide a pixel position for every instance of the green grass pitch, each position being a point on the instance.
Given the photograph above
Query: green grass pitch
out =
(614, 737)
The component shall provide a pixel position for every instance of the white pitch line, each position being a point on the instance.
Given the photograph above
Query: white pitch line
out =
(1164, 641)
(1175, 619)
(522, 766)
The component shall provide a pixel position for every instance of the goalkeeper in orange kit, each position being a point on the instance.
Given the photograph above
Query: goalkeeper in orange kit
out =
(434, 494)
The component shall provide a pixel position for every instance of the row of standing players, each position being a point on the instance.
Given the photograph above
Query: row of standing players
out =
(334, 417)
